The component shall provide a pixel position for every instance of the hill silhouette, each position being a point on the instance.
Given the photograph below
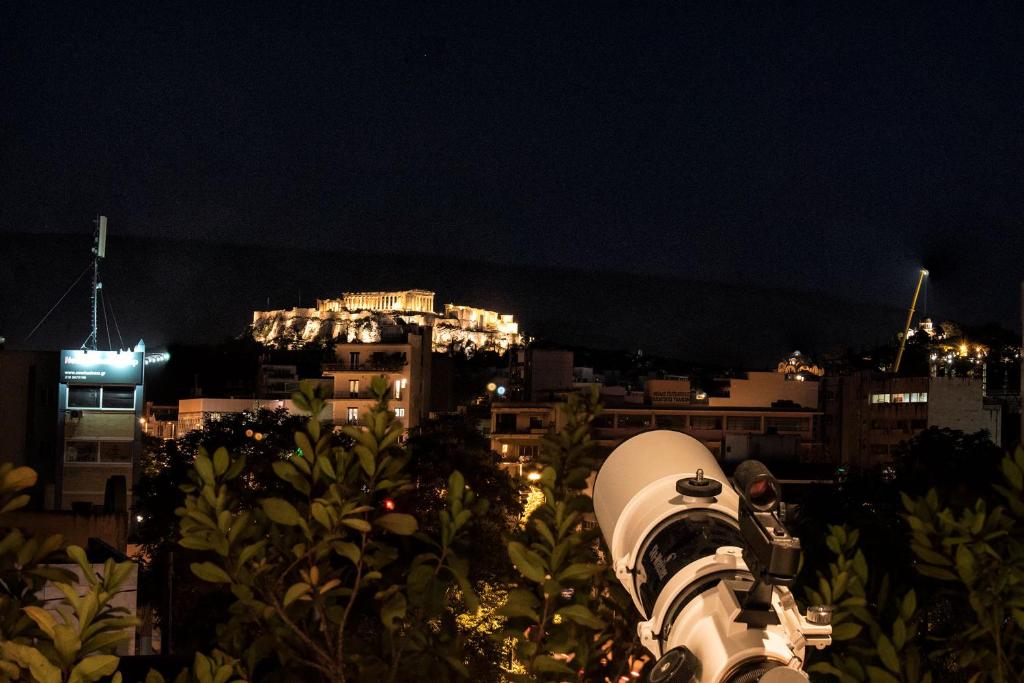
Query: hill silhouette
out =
(199, 292)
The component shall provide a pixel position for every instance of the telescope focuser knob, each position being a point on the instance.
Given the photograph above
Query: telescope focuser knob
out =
(819, 615)
(678, 665)
(698, 486)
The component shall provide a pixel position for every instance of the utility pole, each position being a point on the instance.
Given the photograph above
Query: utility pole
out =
(99, 250)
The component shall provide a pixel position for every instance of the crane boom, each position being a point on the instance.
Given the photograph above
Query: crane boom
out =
(910, 318)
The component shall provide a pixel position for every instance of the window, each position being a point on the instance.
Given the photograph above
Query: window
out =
(116, 451)
(83, 397)
(536, 422)
(353, 388)
(399, 412)
(629, 421)
(744, 423)
(353, 360)
(119, 397)
(786, 424)
(913, 397)
(706, 422)
(353, 415)
(504, 449)
(398, 388)
(527, 453)
(81, 451)
(670, 421)
(505, 423)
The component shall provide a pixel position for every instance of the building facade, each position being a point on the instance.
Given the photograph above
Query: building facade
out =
(404, 364)
(732, 435)
(100, 410)
(868, 414)
(195, 413)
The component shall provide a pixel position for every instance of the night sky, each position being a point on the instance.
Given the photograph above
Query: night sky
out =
(831, 149)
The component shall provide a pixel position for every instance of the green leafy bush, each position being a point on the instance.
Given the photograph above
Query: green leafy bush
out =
(73, 641)
(320, 591)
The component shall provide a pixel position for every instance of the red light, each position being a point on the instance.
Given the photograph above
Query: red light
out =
(389, 504)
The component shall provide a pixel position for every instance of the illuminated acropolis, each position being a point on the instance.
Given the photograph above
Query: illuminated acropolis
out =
(362, 316)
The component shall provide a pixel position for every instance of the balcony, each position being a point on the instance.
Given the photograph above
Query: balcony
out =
(368, 366)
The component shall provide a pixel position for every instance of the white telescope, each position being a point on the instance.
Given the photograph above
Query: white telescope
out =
(708, 565)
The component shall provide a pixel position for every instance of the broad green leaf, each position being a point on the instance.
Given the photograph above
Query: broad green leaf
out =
(280, 511)
(321, 515)
(520, 603)
(899, 633)
(527, 562)
(581, 615)
(43, 618)
(965, 565)
(208, 571)
(580, 572)
(548, 664)
(250, 551)
(887, 653)
(397, 523)
(347, 549)
(78, 555)
(846, 631)
(32, 659)
(936, 572)
(392, 610)
(366, 459)
(19, 478)
(908, 605)
(356, 523)
(295, 592)
(220, 461)
(16, 503)
(204, 467)
(878, 675)
(1013, 474)
(95, 667)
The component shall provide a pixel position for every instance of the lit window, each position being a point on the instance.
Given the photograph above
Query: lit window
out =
(353, 415)
(399, 385)
(399, 412)
(504, 449)
(353, 388)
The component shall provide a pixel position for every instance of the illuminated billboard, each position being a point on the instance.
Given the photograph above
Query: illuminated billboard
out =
(80, 366)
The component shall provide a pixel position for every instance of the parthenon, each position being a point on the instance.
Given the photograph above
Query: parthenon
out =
(410, 300)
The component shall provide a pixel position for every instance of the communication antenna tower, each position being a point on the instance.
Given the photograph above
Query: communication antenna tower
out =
(99, 251)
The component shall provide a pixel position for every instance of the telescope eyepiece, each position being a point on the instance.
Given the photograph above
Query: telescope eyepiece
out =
(757, 486)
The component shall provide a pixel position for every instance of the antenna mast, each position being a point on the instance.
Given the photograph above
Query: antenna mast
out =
(99, 250)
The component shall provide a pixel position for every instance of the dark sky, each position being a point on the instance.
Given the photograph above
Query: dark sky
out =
(796, 145)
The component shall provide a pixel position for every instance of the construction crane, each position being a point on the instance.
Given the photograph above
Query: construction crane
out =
(910, 318)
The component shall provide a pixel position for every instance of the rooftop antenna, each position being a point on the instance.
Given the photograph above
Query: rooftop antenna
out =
(99, 251)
